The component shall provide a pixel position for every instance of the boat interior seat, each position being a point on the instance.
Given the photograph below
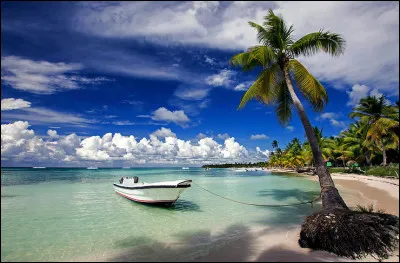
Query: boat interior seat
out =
(136, 179)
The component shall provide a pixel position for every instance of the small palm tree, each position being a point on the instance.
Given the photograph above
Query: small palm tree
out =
(382, 120)
(276, 57)
(275, 144)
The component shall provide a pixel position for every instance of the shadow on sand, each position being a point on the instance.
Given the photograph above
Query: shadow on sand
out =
(235, 244)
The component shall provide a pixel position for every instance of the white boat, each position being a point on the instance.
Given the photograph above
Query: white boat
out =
(161, 193)
(92, 168)
(39, 167)
(185, 168)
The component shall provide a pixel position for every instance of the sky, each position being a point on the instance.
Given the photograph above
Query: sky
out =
(113, 84)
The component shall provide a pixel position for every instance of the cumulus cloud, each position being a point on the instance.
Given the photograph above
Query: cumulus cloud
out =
(163, 132)
(52, 133)
(358, 92)
(14, 104)
(243, 86)
(201, 136)
(21, 144)
(179, 117)
(259, 137)
(263, 154)
(223, 136)
(223, 78)
(43, 77)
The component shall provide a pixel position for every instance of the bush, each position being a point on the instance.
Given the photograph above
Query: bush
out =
(384, 171)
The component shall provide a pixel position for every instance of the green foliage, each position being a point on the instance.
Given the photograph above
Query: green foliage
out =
(275, 57)
(384, 171)
(235, 165)
(369, 209)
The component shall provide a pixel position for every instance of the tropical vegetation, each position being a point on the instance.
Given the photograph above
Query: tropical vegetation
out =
(373, 139)
(335, 228)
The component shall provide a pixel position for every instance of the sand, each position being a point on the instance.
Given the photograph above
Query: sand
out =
(271, 245)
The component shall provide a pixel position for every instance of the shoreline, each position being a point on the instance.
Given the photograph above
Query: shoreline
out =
(281, 244)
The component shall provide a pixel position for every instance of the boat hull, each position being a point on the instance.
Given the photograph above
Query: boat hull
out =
(164, 196)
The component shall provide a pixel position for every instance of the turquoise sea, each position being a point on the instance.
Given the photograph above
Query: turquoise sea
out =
(73, 214)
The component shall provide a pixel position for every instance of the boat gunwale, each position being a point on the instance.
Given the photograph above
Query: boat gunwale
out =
(154, 186)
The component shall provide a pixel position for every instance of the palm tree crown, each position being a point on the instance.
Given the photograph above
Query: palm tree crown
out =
(278, 51)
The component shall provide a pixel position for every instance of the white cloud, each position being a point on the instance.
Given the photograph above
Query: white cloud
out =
(263, 154)
(290, 128)
(163, 132)
(371, 54)
(369, 28)
(223, 78)
(42, 77)
(332, 117)
(191, 93)
(52, 133)
(223, 136)
(122, 123)
(201, 136)
(47, 116)
(243, 86)
(210, 60)
(357, 92)
(259, 137)
(179, 117)
(19, 143)
(14, 104)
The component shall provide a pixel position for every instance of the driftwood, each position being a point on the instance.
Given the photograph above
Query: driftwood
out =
(350, 233)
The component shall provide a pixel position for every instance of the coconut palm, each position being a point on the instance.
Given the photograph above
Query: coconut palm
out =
(326, 145)
(279, 69)
(382, 120)
(357, 148)
(274, 144)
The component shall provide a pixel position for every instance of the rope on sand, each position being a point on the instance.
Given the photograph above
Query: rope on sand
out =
(269, 205)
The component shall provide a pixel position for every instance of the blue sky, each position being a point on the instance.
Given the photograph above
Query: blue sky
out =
(76, 74)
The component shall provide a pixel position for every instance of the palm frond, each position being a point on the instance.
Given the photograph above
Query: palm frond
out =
(284, 103)
(327, 42)
(261, 33)
(309, 86)
(245, 60)
(262, 87)
(278, 35)
(263, 54)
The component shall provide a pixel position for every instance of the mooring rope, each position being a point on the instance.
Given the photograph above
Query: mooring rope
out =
(245, 203)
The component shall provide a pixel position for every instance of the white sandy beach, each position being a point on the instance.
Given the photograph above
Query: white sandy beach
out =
(281, 244)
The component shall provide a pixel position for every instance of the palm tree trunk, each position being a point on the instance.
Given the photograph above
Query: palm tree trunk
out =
(384, 154)
(330, 195)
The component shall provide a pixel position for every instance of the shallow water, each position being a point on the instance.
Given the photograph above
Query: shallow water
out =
(74, 214)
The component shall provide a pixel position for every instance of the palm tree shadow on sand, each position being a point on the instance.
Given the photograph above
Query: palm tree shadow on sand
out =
(235, 244)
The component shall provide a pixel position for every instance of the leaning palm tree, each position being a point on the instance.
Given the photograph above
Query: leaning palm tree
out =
(328, 229)
(276, 56)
